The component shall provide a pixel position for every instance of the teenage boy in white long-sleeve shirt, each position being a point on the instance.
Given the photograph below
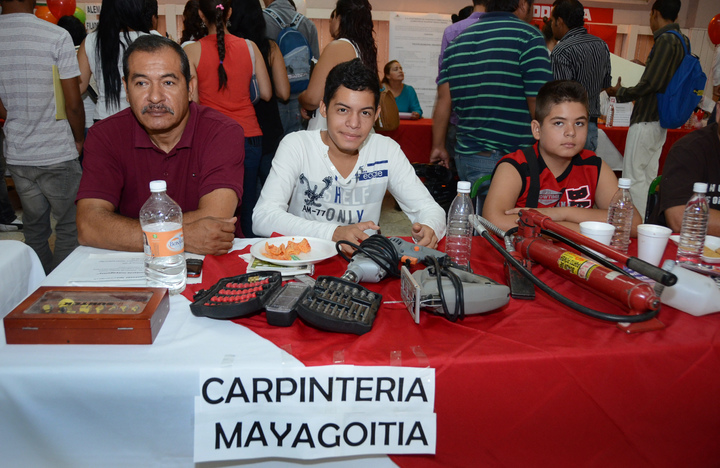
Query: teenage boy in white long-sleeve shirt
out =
(331, 183)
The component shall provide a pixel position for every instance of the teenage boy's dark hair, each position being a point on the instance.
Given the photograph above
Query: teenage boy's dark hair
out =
(352, 75)
(571, 12)
(556, 92)
(152, 43)
(668, 9)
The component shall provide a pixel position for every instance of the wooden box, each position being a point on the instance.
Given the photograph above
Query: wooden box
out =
(86, 315)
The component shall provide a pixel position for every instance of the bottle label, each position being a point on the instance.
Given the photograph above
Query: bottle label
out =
(577, 265)
(164, 243)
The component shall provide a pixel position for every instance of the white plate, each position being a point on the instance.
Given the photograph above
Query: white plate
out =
(320, 249)
(711, 242)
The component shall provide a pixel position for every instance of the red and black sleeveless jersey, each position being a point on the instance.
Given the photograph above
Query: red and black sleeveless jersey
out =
(574, 187)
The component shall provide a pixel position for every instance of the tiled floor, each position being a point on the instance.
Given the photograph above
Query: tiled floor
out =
(393, 222)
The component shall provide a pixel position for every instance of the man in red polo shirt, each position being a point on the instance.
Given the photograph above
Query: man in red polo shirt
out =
(197, 150)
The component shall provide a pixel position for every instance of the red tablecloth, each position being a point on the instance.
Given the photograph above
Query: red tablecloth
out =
(415, 139)
(536, 383)
(618, 136)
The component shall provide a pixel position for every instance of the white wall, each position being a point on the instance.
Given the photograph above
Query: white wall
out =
(693, 14)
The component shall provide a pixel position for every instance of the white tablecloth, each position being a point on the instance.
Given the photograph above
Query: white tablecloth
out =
(122, 405)
(20, 274)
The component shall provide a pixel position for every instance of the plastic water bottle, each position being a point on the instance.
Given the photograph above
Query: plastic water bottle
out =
(459, 230)
(161, 221)
(620, 215)
(694, 226)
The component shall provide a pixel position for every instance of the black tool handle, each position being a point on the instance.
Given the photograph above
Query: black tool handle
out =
(651, 271)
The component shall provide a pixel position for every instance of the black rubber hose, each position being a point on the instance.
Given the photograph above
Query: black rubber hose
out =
(562, 299)
(379, 249)
(459, 312)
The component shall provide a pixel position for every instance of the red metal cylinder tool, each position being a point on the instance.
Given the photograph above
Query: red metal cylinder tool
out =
(634, 294)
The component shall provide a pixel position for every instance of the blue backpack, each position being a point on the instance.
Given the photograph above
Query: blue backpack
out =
(295, 50)
(684, 91)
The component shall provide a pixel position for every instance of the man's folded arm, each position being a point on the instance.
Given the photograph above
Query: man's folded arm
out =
(99, 226)
(208, 230)
(220, 203)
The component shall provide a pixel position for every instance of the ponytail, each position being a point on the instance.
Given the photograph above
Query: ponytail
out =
(220, 24)
(217, 11)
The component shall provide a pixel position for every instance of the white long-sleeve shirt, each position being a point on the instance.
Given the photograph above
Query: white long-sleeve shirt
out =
(305, 195)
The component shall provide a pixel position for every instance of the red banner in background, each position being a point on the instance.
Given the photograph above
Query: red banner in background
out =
(592, 15)
(606, 32)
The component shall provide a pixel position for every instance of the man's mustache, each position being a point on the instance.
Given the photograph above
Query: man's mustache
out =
(157, 107)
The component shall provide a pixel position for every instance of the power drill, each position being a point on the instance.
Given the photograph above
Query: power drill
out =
(363, 269)
(476, 294)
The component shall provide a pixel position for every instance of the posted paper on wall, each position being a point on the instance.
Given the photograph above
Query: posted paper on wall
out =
(415, 40)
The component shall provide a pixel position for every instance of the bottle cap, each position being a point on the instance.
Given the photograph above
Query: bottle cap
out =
(158, 186)
(463, 186)
(700, 187)
(624, 182)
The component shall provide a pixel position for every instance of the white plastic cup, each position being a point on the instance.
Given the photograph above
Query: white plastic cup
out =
(601, 232)
(652, 240)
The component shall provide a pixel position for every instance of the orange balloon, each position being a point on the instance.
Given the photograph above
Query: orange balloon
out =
(714, 29)
(43, 12)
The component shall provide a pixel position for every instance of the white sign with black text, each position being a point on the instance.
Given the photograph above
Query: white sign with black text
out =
(314, 412)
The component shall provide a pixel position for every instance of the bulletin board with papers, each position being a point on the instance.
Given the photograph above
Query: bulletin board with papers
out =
(415, 40)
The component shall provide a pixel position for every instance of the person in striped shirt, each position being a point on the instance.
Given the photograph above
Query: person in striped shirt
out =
(490, 76)
(41, 149)
(581, 57)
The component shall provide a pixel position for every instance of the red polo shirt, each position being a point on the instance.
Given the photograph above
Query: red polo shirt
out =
(120, 160)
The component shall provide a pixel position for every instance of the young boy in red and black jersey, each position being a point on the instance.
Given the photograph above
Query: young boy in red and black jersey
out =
(562, 180)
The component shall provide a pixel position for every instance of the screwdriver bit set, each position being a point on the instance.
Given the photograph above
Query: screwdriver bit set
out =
(337, 305)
